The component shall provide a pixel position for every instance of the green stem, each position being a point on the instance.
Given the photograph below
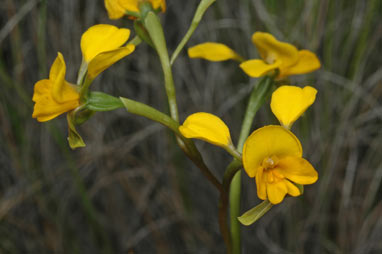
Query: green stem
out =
(232, 169)
(202, 7)
(144, 110)
(257, 98)
(155, 30)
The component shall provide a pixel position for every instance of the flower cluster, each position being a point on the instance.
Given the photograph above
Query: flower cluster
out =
(271, 154)
(101, 46)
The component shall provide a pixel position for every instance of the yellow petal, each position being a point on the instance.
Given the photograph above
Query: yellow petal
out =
(105, 59)
(101, 38)
(297, 170)
(207, 127)
(292, 189)
(276, 191)
(261, 184)
(57, 76)
(271, 140)
(159, 4)
(213, 52)
(307, 62)
(257, 68)
(288, 103)
(46, 107)
(116, 8)
(272, 50)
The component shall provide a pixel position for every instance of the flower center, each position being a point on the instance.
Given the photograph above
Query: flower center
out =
(270, 162)
(271, 59)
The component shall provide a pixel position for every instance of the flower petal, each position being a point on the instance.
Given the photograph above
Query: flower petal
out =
(105, 59)
(101, 38)
(159, 4)
(261, 184)
(207, 127)
(288, 103)
(276, 191)
(256, 68)
(213, 51)
(47, 108)
(271, 49)
(116, 8)
(292, 189)
(307, 62)
(267, 141)
(57, 77)
(297, 170)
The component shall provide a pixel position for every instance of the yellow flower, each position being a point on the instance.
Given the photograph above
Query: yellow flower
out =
(273, 155)
(275, 55)
(214, 52)
(54, 96)
(288, 103)
(207, 127)
(101, 47)
(118, 8)
(279, 55)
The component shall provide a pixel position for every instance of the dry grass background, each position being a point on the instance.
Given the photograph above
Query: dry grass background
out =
(131, 190)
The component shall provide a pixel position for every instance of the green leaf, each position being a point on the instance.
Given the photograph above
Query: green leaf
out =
(202, 8)
(252, 215)
(74, 138)
(99, 101)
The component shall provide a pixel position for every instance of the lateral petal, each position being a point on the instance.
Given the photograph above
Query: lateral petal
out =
(256, 68)
(105, 59)
(297, 170)
(307, 62)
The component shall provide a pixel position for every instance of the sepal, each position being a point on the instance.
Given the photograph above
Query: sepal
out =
(98, 101)
(252, 215)
(74, 138)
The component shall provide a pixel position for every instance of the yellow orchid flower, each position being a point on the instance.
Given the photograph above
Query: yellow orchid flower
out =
(207, 127)
(116, 9)
(54, 96)
(288, 103)
(273, 155)
(101, 46)
(274, 54)
(279, 55)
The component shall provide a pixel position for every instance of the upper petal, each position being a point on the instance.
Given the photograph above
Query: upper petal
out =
(256, 68)
(267, 141)
(57, 76)
(212, 51)
(271, 49)
(297, 170)
(105, 59)
(207, 127)
(116, 8)
(307, 62)
(288, 103)
(101, 38)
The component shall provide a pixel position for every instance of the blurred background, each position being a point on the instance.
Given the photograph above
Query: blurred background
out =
(132, 190)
